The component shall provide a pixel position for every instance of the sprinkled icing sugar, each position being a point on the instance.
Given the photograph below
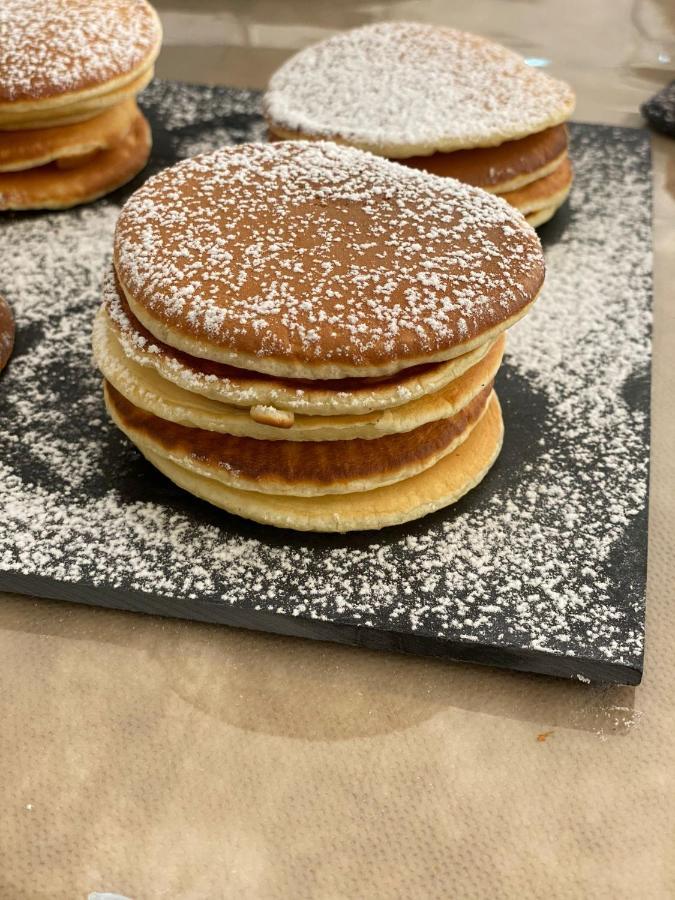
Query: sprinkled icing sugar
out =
(52, 47)
(314, 253)
(398, 88)
(547, 554)
(177, 107)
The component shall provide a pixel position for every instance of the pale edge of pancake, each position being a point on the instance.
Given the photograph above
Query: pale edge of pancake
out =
(146, 389)
(270, 486)
(555, 199)
(305, 401)
(80, 112)
(290, 369)
(522, 180)
(538, 217)
(440, 145)
(439, 486)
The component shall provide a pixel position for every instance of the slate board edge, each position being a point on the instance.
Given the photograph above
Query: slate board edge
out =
(500, 656)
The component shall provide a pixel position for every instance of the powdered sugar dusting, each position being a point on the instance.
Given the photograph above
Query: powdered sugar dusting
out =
(403, 87)
(52, 47)
(546, 555)
(315, 253)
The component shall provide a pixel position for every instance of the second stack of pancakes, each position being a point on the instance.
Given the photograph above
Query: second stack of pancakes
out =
(445, 101)
(70, 70)
(307, 335)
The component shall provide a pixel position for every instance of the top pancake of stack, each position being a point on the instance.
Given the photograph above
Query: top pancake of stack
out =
(402, 89)
(64, 61)
(314, 261)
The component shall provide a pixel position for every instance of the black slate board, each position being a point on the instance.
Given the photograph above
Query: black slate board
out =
(541, 568)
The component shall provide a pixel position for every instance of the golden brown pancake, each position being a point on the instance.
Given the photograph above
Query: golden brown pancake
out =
(401, 89)
(7, 330)
(61, 59)
(247, 388)
(505, 167)
(144, 387)
(299, 469)
(51, 187)
(436, 487)
(309, 260)
(544, 193)
(28, 149)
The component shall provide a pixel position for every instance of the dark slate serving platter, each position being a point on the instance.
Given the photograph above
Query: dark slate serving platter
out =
(541, 568)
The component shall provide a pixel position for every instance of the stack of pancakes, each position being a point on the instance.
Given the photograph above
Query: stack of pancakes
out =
(307, 335)
(445, 101)
(70, 129)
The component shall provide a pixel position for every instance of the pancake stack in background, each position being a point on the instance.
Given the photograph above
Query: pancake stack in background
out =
(306, 335)
(441, 100)
(70, 129)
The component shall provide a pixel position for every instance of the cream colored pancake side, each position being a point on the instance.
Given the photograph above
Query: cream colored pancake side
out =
(298, 368)
(45, 116)
(543, 215)
(239, 388)
(522, 180)
(399, 153)
(439, 486)
(50, 187)
(554, 201)
(546, 192)
(296, 469)
(146, 389)
(28, 149)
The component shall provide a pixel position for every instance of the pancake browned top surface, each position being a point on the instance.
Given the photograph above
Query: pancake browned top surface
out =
(310, 254)
(400, 88)
(55, 47)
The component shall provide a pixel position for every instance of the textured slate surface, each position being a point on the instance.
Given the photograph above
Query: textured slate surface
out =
(541, 568)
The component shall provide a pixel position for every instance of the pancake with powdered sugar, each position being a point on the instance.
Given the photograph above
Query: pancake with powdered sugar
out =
(309, 260)
(402, 89)
(65, 60)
